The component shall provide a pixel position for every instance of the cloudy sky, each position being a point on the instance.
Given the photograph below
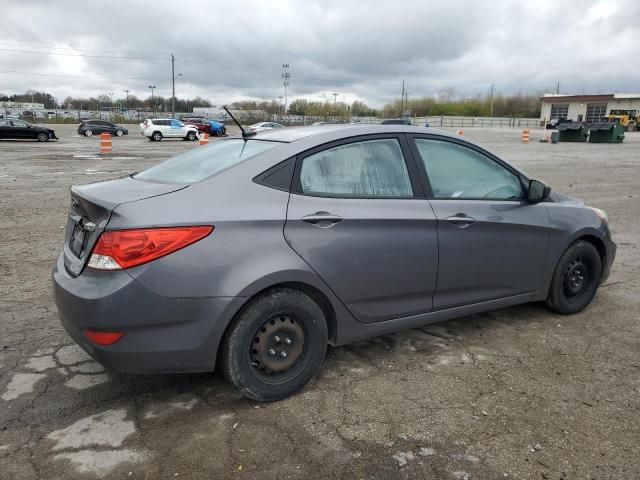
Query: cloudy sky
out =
(229, 50)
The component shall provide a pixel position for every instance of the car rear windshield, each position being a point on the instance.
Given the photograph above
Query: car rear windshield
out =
(200, 163)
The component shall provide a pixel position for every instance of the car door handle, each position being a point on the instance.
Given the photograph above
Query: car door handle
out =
(316, 218)
(461, 220)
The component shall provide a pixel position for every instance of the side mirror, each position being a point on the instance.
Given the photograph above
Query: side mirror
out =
(537, 191)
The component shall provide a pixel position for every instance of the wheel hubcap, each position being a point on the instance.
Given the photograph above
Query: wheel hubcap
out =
(277, 345)
(576, 278)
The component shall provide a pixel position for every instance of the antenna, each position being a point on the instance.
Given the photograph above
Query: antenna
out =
(245, 134)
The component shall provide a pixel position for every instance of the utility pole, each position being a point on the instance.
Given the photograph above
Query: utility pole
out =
(153, 104)
(557, 88)
(402, 100)
(285, 82)
(126, 102)
(173, 88)
(491, 99)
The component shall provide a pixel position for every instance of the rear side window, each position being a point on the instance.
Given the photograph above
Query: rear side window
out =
(373, 168)
(200, 163)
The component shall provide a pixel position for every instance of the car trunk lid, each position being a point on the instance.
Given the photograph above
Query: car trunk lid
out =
(90, 211)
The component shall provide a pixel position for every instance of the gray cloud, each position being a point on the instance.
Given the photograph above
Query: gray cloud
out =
(232, 50)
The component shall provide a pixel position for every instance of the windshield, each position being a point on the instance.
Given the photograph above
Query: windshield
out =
(200, 163)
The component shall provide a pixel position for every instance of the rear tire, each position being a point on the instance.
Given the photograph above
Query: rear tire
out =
(576, 279)
(42, 137)
(275, 345)
(156, 136)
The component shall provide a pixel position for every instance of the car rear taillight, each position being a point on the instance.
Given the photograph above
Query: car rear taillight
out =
(121, 249)
(103, 338)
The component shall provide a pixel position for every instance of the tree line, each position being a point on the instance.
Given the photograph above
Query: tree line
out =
(106, 101)
(445, 103)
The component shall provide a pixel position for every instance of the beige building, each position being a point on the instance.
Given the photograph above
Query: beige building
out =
(588, 108)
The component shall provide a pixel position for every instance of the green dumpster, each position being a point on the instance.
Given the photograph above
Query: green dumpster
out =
(573, 132)
(606, 132)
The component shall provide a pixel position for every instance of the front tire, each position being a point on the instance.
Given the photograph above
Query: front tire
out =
(275, 345)
(119, 133)
(42, 137)
(191, 136)
(88, 133)
(576, 279)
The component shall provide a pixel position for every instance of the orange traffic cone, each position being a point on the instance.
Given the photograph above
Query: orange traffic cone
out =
(105, 143)
(204, 139)
(525, 135)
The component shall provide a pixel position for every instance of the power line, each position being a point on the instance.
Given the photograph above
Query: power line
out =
(38, 74)
(42, 46)
(77, 54)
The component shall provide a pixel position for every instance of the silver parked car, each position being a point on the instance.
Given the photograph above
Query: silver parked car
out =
(253, 254)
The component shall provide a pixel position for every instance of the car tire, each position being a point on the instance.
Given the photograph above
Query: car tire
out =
(275, 345)
(119, 133)
(156, 136)
(576, 279)
(191, 136)
(88, 133)
(42, 137)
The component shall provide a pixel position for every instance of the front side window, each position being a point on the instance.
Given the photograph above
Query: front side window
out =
(372, 168)
(200, 163)
(18, 123)
(456, 171)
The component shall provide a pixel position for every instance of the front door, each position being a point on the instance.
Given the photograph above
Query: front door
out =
(20, 129)
(357, 216)
(492, 242)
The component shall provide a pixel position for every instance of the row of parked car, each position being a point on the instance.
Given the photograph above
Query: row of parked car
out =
(187, 128)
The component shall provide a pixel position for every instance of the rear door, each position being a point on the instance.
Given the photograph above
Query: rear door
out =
(357, 215)
(492, 242)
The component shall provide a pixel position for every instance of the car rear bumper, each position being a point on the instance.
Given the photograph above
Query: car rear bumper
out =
(161, 334)
(610, 253)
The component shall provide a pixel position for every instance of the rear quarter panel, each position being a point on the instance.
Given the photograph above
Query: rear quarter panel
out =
(246, 251)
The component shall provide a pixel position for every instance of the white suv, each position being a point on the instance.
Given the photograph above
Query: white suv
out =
(158, 128)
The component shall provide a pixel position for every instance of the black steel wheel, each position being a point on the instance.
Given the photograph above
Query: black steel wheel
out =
(576, 279)
(275, 345)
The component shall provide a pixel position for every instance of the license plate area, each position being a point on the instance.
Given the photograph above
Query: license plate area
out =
(78, 240)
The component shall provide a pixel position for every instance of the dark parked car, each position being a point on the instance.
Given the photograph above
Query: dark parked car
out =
(253, 254)
(556, 122)
(96, 127)
(395, 121)
(19, 129)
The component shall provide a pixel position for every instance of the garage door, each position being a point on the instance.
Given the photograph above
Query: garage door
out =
(559, 110)
(595, 112)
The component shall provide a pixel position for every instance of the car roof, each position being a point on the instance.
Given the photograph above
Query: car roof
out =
(303, 138)
(339, 131)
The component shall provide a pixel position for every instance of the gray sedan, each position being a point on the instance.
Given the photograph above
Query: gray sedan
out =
(253, 254)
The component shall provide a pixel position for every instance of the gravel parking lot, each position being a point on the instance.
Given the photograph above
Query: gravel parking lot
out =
(515, 393)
